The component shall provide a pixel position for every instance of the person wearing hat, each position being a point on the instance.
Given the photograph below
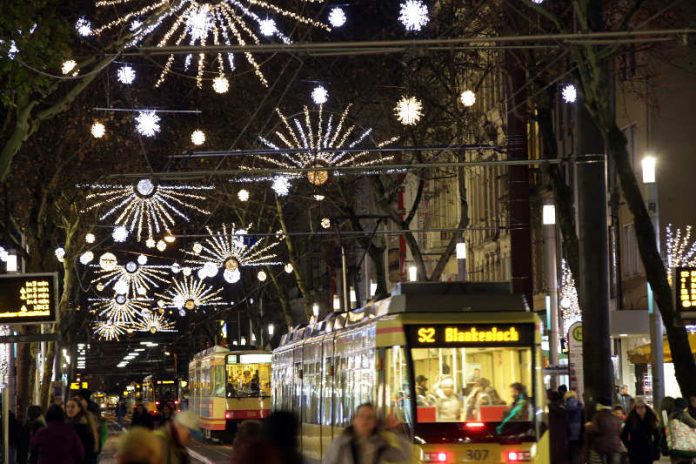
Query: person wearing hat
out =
(176, 435)
(604, 435)
(449, 406)
(641, 434)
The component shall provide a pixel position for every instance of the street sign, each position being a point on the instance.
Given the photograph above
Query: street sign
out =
(575, 362)
(28, 298)
(685, 289)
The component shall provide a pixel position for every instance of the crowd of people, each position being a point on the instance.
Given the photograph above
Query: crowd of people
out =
(625, 431)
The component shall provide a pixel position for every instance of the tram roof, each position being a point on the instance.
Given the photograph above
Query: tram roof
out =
(422, 297)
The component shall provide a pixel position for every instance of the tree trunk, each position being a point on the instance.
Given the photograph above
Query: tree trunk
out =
(45, 388)
(656, 273)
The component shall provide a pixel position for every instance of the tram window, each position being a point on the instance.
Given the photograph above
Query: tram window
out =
(247, 380)
(472, 384)
(397, 391)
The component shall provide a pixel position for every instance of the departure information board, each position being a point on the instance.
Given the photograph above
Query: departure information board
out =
(685, 289)
(28, 298)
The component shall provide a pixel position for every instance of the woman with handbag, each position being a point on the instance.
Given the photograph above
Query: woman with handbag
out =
(681, 434)
(641, 434)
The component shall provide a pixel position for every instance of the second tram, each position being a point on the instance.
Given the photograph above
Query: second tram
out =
(158, 391)
(440, 357)
(227, 387)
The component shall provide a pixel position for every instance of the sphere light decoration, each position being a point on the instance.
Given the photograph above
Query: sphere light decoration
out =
(281, 186)
(289, 268)
(125, 75)
(337, 17)
(226, 249)
(198, 137)
(142, 260)
(413, 15)
(176, 268)
(108, 262)
(243, 195)
(221, 84)
(197, 248)
(147, 123)
(83, 27)
(60, 253)
(131, 267)
(409, 110)
(121, 287)
(201, 23)
(468, 98)
(320, 95)
(86, 257)
(186, 271)
(326, 223)
(146, 207)
(190, 294)
(90, 238)
(315, 143)
(98, 130)
(68, 66)
(169, 238)
(120, 234)
(210, 269)
(161, 245)
(262, 276)
(569, 93)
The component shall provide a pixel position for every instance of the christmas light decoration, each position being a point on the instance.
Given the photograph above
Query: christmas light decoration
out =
(281, 186)
(86, 257)
(568, 298)
(198, 137)
(228, 250)
(125, 75)
(109, 331)
(320, 95)
(413, 15)
(90, 238)
(60, 254)
(83, 27)
(337, 17)
(120, 234)
(326, 223)
(142, 260)
(262, 276)
(68, 66)
(161, 245)
(243, 195)
(98, 130)
(190, 294)
(681, 250)
(138, 279)
(150, 243)
(191, 22)
(169, 238)
(468, 98)
(221, 84)
(153, 322)
(569, 93)
(316, 143)
(409, 110)
(146, 207)
(120, 308)
(289, 268)
(147, 123)
(108, 262)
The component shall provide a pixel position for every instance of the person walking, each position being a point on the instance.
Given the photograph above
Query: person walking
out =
(604, 435)
(625, 399)
(248, 444)
(176, 435)
(35, 421)
(139, 446)
(641, 434)
(679, 413)
(574, 410)
(363, 442)
(558, 428)
(57, 443)
(78, 417)
(141, 418)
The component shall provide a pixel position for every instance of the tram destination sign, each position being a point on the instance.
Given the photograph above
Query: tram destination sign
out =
(685, 289)
(498, 334)
(28, 298)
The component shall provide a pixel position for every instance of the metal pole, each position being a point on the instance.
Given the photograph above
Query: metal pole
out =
(344, 278)
(6, 425)
(551, 270)
(657, 357)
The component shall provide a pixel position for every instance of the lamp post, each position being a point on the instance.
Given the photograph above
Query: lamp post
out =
(461, 260)
(551, 270)
(657, 357)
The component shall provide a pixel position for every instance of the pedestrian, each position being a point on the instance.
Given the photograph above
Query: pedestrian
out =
(563, 389)
(518, 410)
(625, 399)
(139, 446)
(141, 418)
(87, 431)
(619, 412)
(120, 412)
(692, 405)
(363, 442)
(176, 435)
(641, 434)
(94, 415)
(679, 413)
(280, 433)
(248, 444)
(57, 443)
(35, 421)
(574, 409)
(166, 415)
(604, 435)
(558, 428)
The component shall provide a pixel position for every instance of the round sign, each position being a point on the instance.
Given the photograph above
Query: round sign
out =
(108, 261)
(577, 333)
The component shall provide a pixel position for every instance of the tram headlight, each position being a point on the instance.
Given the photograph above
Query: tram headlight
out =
(436, 456)
(518, 456)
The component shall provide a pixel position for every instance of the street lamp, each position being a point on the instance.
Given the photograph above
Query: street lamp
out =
(461, 260)
(648, 165)
(412, 273)
(551, 271)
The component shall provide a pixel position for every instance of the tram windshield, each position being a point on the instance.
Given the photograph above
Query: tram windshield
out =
(248, 379)
(472, 384)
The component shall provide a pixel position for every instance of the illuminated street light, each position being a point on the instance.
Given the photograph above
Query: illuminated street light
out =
(412, 273)
(648, 164)
(461, 250)
(549, 215)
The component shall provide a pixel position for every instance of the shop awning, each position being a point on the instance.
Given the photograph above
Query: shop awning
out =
(641, 354)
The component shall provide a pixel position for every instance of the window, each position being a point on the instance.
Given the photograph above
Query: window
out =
(631, 257)
(244, 380)
(397, 391)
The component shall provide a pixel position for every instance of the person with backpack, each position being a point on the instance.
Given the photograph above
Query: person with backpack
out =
(641, 434)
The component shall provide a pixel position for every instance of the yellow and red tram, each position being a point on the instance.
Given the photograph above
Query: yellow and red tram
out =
(227, 387)
(426, 346)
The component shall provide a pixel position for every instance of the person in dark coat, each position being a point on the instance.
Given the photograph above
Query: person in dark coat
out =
(35, 421)
(574, 409)
(604, 435)
(641, 435)
(57, 443)
(142, 418)
(558, 428)
(78, 418)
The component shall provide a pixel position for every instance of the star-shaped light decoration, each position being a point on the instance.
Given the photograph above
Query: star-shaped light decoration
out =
(409, 110)
(132, 279)
(146, 206)
(219, 22)
(120, 308)
(229, 250)
(316, 141)
(153, 323)
(109, 330)
(189, 294)
(413, 15)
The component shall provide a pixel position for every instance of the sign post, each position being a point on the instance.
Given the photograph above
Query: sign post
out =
(575, 363)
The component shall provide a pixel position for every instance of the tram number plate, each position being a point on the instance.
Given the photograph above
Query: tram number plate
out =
(476, 455)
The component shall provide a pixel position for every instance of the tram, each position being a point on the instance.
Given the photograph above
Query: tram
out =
(440, 357)
(158, 390)
(227, 387)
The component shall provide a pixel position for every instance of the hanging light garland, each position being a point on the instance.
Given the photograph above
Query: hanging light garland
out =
(189, 294)
(146, 206)
(227, 250)
(315, 141)
(681, 250)
(190, 22)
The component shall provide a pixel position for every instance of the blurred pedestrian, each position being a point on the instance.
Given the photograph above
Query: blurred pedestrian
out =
(94, 414)
(558, 428)
(35, 421)
(79, 417)
(166, 414)
(574, 410)
(141, 418)
(57, 443)
(619, 412)
(176, 435)
(120, 412)
(641, 434)
(625, 399)
(679, 412)
(248, 444)
(604, 435)
(139, 446)
(692, 405)
(280, 432)
(363, 442)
